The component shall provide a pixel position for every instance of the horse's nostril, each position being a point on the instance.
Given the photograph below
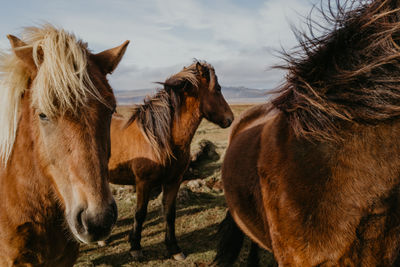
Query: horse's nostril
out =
(96, 225)
(228, 122)
(79, 220)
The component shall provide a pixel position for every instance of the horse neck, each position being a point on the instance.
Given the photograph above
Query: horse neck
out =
(372, 152)
(186, 122)
(355, 174)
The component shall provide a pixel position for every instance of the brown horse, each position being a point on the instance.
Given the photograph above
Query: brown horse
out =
(55, 112)
(153, 147)
(314, 176)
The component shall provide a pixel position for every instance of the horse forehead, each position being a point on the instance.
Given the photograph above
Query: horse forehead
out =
(87, 121)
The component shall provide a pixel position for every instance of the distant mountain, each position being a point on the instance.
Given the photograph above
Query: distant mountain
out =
(231, 94)
(244, 95)
(132, 96)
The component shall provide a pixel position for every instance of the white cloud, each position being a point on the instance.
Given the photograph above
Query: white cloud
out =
(166, 35)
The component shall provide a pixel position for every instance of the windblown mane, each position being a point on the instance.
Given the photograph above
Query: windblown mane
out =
(351, 73)
(62, 82)
(155, 116)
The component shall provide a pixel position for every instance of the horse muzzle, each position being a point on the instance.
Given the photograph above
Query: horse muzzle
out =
(226, 122)
(92, 226)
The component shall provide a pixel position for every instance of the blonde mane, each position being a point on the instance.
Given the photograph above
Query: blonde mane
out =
(62, 82)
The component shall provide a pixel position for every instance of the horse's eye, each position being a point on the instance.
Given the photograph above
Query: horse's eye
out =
(43, 117)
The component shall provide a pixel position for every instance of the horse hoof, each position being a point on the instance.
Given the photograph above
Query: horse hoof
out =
(102, 243)
(179, 256)
(136, 254)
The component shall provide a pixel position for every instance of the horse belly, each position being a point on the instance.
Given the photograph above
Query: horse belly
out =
(242, 186)
(122, 174)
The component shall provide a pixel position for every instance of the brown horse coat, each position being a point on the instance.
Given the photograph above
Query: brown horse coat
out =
(315, 203)
(53, 174)
(153, 149)
(314, 176)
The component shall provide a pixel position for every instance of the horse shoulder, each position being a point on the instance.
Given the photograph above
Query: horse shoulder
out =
(240, 175)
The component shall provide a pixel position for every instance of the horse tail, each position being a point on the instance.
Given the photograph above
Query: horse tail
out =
(230, 242)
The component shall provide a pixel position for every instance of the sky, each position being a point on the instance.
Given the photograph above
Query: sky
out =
(238, 37)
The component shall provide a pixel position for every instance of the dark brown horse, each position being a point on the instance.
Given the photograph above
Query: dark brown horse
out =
(314, 176)
(153, 147)
(55, 115)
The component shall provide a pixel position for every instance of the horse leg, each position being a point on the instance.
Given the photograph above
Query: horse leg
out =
(253, 259)
(143, 190)
(230, 243)
(170, 192)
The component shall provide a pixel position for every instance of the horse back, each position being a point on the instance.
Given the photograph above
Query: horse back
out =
(133, 157)
(128, 161)
(251, 117)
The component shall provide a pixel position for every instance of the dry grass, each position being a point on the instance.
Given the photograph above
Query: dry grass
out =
(198, 216)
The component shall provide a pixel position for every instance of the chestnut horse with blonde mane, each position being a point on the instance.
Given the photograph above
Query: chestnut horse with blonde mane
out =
(153, 147)
(314, 176)
(55, 113)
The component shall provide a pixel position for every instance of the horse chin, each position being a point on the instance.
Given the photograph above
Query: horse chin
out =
(89, 239)
(224, 123)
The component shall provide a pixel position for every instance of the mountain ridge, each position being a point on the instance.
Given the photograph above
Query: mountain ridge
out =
(232, 94)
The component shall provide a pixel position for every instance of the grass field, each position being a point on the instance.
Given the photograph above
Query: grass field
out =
(199, 211)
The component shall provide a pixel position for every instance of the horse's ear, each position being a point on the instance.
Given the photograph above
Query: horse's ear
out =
(109, 59)
(23, 52)
(174, 83)
(202, 71)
